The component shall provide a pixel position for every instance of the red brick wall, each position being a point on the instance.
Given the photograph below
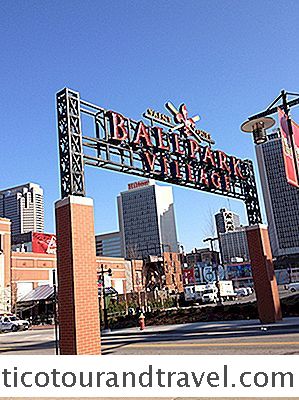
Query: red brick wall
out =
(263, 274)
(5, 232)
(118, 267)
(30, 267)
(77, 277)
(173, 271)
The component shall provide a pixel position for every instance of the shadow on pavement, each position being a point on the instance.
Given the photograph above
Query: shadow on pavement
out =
(192, 334)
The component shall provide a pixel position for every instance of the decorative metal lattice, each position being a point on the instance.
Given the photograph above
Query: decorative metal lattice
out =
(70, 143)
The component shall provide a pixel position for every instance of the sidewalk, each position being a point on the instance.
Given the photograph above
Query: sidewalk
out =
(41, 327)
(196, 326)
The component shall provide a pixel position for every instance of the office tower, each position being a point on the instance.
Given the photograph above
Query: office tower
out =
(226, 221)
(233, 246)
(109, 245)
(232, 237)
(24, 206)
(147, 220)
(281, 199)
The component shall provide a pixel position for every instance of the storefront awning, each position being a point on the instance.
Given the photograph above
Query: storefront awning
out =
(44, 292)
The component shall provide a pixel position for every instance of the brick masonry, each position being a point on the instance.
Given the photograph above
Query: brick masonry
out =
(77, 277)
(173, 271)
(5, 227)
(263, 274)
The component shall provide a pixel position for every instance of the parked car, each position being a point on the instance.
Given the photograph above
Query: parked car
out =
(12, 323)
(293, 287)
(241, 292)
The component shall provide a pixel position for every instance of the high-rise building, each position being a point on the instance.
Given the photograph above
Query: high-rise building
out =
(147, 220)
(233, 246)
(232, 237)
(109, 245)
(226, 221)
(24, 206)
(281, 199)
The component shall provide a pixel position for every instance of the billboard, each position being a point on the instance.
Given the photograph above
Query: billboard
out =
(202, 273)
(295, 129)
(188, 276)
(241, 270)
(289, 159)
(43, 243)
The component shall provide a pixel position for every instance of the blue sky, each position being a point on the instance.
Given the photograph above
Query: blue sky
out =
(225, 59)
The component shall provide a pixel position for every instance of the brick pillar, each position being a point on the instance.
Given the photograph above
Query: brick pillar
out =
(264, 279)
(79, 323)
(5, 267)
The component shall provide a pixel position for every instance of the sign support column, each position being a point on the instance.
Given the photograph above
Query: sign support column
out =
(78, 305)
(264, 279)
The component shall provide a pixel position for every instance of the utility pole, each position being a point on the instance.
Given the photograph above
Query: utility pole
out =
(109, 272)
(215, 265)
(55, 312)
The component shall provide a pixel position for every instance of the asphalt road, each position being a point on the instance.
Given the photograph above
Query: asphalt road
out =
(230, 337)
(28, 342)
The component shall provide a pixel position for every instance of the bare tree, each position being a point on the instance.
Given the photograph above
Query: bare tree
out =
(209, 227)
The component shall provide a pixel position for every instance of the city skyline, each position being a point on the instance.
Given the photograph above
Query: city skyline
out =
(24, 206)
(144, 70)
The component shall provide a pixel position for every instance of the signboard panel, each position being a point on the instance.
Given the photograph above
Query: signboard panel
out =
(241, 270)
(295, 128)
(43, 243)
(289, 159)
(188, 276)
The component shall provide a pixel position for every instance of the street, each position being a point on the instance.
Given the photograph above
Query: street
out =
(229, 337)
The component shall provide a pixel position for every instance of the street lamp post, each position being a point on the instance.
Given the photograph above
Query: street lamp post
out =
(258, 123)
(55, 312)
(215, 266)
(261, 256)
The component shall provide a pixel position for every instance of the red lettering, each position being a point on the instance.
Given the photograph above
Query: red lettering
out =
(149, 160)
(164, 166)
(222, 161)
(175, 169)
(203, 178)
(189, 173)
(208, 156)
(226, 181)
(160, 139)
(176, 144)
(142, 134)
(193, 148)
(216, 180)
(236, 167)
(119, 131)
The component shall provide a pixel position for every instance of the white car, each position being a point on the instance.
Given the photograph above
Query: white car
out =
(12, 323)
(293, 287)
(241, 292)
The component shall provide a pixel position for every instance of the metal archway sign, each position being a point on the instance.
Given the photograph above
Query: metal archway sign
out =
(169, 149)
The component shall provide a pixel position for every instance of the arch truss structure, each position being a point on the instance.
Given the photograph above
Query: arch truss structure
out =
(164, 147)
